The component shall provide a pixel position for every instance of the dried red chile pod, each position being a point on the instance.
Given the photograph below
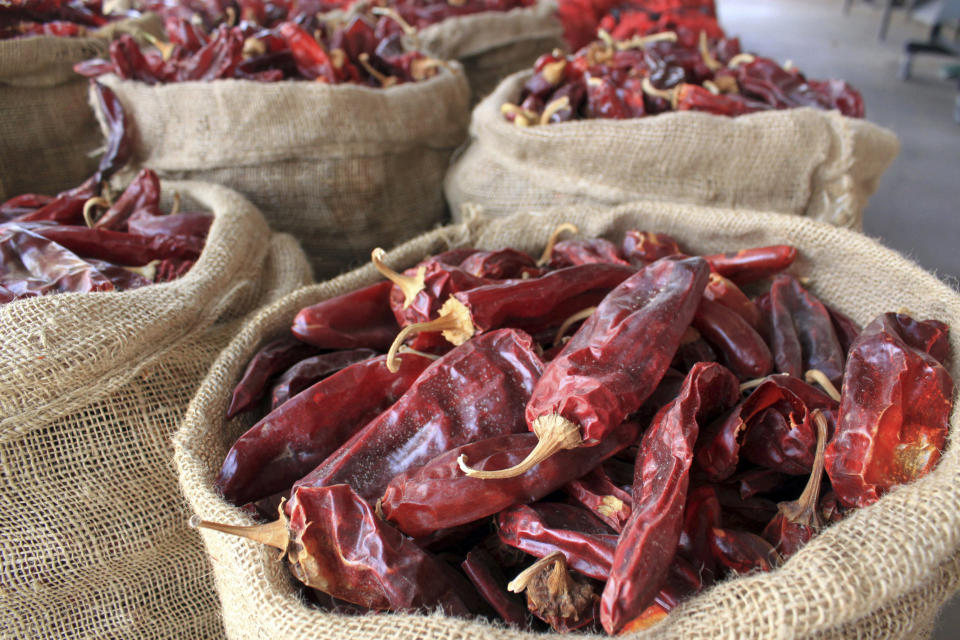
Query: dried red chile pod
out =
(555, 596)
(742, 552)
(296, 437)
(309, 371)
(361, 318)
(750, 265)
(487, 576)
(894, 413)
(741, 348)
(723, 291)
(438, 495)
(605, 500)
(649, 541)
(568, 253)
(642, 247)
(268, 361)
(335, 543)
(141, 194)
(475, 391)
(596, 380)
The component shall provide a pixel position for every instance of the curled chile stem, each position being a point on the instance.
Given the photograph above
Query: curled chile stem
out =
(712, 87)
(384, 80)
(521, 117)
(411, 286)
(554, 433)
(554, 107)
(405, 349)
(712, 63)
(391, 13)
(274, 534)
(552, 72)
(666, 94)
(805, 507)
(554, 238)
(88, 207)
(569, 322)
(523, 579)
(607, 39)
(752, 384)
(740, 58)
(454, 321)
(815, 376)
(639, 42)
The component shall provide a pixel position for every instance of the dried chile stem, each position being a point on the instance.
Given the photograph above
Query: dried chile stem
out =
(552, 72)
(273, 534)
(602, 34)
(554, 433)
(554, 237)
(253, 47)
(712, 63)
(88, 206)
(508, 108)
(815, 376)
(712, 87)
(804, 509)
(569, 322)
(752, 384)
(165, 48)
(454, 321)
(553, 108)
(740, 58)
(396, 17)
(669, 94)
(523, 579)
(148, 271)
(384, 80)
(638, 42)
(423, 354)
(175, 209)
(410, 286)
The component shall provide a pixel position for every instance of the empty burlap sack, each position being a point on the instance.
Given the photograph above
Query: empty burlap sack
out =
(882, 572)
(341, 167)
(48, 134)
(493, 44)
(805, 162)
(92, 542)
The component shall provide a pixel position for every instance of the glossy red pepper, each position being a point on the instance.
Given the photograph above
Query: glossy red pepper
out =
(309, 371)
(894, 412)
(568, 253)
(313, 61)
(742, 552)
(649, 541)
(141, 194)
(750, 265)
(65, 208)
(475, 391)
(296, 437)
(360, 318)
(271, 359)
(741, 348)
(119, 247)
(45, 261)
(723, 291)
(614, 362)
(438, 495)
(501, 264)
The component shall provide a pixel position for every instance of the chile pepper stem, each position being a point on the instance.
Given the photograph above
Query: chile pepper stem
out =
(639, 42)
(554, 237)
(384, 80)
(569, 322)
(815, 376)
(450, 322)
(148, 271)
(175, 209)
(555, 433)
(411, 286)
(740, 58)
(712, 63)
(552, 72)
(523, 579)
(606, 37)
(806, 504)
(165, 48)
(396, 17)
(88, 206)
(273, 534)
(553, 108)
(405, 349)
(751, 384)
(668, 94)
(712, 87)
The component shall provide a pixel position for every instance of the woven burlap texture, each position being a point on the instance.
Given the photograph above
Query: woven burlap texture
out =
(805, 162)
(492, 44)
(47, 132)
(341, 167)
(882, 572)
(92, 542)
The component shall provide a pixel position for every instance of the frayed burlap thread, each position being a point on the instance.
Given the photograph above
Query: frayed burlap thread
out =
(48, 135)
(804, 162)
(92, 536)
(341, 167)
(883, 572)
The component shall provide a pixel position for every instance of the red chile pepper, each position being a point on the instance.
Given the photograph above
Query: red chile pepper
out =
(757, 481)
(142, 193)
(741, 347)
(801, 331)
(613, 362)
(52, 263)
(642, 247)
(195, 224)
(502, 264)
(296, 437)
(474, 392)
(335, 543)
(25, 203)
(568, 253)
(799, 520)
(723, 291)
(929, 336)
(529, 304)
(774, 427)
(681, 581)
(123, 278)
(216, 59)
(312, 370)
(361, 318)
(313, 61)
(749, 265)
(691, 97)
(894, 414)
(830, 508)
(119, 247)
(272, 358)
(602, 498)
(649, 541)
(488, 578)
(438, 496)
(542, 528)
(693, 349)
(742, 552)
(553, 595)
(119, 139)
(66, 208)
(172, 268)
(701, 513)
(847, 330)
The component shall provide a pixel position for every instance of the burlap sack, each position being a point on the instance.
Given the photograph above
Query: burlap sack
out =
(492, 44)
(800, 161)
(342, 168)
(883, 572)
(48, 134)
(92, 542)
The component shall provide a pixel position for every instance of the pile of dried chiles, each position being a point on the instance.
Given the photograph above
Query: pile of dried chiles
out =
(647, 64)
(608, 429)
(65, 18)
(84, 239)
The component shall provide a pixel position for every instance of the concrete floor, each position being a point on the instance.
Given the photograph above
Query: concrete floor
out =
(915, 209)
